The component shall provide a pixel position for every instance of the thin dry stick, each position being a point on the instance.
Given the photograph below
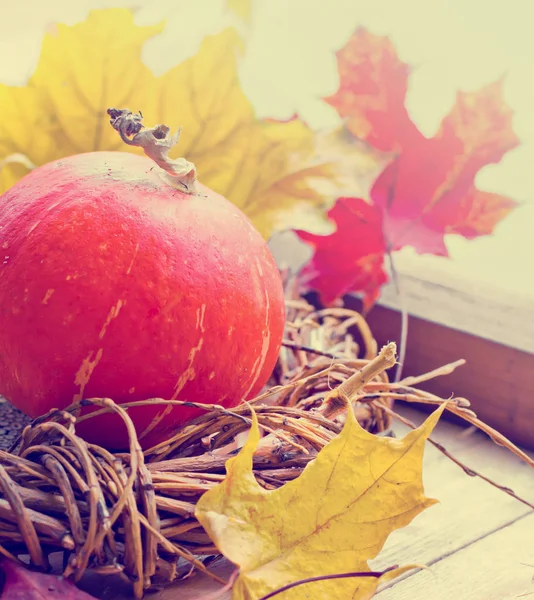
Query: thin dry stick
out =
(497, 437)
(10, 556)
(95, 498)
(174, 548)
(404, 316)
(336, 400)
(470, 417)
(467, 470)
(291, 385)
(444, 370)
(295, 346)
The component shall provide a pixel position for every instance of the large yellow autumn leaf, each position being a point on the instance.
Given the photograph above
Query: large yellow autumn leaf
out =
(281, 174)
(332, 519)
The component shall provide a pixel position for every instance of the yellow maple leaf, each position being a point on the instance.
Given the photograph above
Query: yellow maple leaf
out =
(332, 519)
(82, 70)
(272, 170)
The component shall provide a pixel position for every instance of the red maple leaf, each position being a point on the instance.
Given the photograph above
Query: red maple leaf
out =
(428, 190)
(19, 583)
(352, 257)
(372, 87)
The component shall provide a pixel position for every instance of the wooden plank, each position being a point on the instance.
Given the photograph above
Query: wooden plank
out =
(434, 292)
(497, 379)
(497, 567)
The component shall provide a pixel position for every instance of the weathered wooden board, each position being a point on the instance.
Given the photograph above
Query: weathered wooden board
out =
(497, 567)
(497, 379)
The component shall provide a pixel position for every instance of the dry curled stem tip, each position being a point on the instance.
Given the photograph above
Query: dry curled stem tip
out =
(156, 143)
(336, 401)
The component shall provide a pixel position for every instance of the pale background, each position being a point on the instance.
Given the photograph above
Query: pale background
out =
(290, 65)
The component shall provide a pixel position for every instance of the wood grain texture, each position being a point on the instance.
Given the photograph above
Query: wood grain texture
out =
(469, 510)
(448, 297)
(497, 379)
(497, 567)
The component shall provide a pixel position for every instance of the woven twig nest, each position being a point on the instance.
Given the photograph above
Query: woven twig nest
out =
(134, 513)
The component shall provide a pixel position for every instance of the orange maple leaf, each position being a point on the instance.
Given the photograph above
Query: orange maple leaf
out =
(373, 85)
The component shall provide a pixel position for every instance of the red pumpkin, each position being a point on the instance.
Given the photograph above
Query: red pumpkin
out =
(115, 284)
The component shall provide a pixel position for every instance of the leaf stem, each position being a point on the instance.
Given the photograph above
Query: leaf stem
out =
(404, 316)
(375, 574)
(309, 349)
(156, 143)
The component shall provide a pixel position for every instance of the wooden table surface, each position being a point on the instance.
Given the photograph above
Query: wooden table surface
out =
(478, 542)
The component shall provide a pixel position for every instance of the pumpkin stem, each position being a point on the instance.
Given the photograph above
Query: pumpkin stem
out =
(156, 142)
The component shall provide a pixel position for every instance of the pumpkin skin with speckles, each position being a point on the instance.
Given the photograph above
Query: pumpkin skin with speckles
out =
(115, 284)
